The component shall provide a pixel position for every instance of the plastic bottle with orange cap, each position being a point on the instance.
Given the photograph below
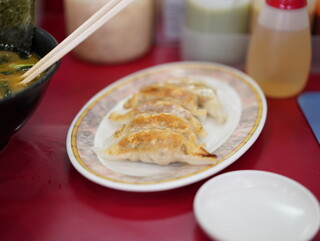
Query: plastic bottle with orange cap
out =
(279, 54)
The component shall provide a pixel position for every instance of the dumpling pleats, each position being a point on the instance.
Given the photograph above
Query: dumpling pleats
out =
(161, 121)
(178, 95)
(165, 109)
(207, 97)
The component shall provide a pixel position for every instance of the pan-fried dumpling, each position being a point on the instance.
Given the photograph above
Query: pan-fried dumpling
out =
(162, 125)
(159, 147)
(162, 106)
(160, 121)
(176, 94)
(207, 97)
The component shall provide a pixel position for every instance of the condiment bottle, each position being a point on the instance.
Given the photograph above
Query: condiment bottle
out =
(218, 16)
(216, 30)
(257, 5)
(127, 36)
(279, 54)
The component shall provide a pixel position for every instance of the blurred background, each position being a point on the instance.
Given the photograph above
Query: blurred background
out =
(218, 36)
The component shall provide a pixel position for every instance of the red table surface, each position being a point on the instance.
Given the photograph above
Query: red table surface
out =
(42, 197)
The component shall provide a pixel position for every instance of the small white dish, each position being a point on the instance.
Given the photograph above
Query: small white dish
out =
(256, 205)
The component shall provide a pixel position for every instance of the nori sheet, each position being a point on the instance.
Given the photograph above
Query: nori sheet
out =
(17, 24)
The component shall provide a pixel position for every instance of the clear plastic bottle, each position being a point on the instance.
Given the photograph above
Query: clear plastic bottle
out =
(257, 5)
(279, 54)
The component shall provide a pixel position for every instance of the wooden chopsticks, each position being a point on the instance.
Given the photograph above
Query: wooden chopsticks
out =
(103, 15)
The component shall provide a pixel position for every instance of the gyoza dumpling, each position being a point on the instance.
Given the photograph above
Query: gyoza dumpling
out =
(162, 106)
(159, 147)
(176, 94)
(159, 121)
(207, 97)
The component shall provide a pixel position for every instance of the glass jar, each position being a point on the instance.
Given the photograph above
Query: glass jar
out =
(125, 37)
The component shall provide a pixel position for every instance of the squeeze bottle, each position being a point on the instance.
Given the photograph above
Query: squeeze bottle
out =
(279, 54)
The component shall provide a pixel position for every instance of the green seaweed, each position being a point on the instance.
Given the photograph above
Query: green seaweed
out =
(17, 23)
(4, 89)
(16, 68)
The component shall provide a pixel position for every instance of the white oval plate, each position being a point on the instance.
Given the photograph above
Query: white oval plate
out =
(241, 98)
(256, 205)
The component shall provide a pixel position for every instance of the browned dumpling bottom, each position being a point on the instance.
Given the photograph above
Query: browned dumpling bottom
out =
(158, 146)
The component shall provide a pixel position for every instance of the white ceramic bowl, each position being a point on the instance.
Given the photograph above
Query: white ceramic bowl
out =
(256, 205)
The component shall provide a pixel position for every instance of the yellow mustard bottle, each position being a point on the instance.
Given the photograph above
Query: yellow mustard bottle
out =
(279, 54)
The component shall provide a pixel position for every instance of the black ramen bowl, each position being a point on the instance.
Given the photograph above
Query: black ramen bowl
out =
(16, 109)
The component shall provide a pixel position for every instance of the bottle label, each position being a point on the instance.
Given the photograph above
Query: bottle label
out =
(284, 20)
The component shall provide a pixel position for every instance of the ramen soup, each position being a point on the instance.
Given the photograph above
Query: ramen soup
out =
(12, 66)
